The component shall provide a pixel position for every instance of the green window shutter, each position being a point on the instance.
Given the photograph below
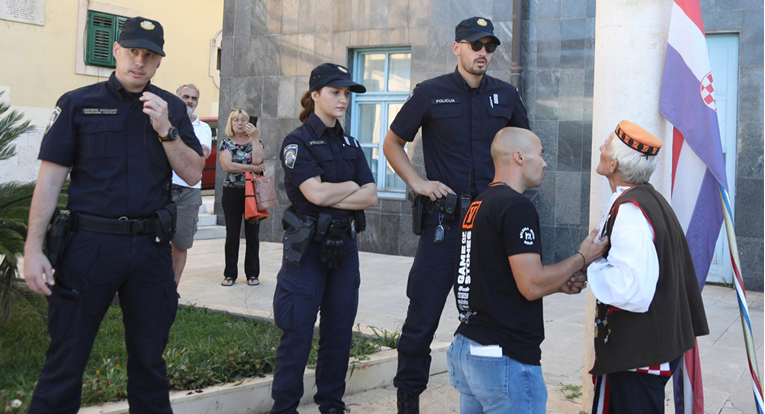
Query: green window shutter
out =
(103, 30)
(117, 32)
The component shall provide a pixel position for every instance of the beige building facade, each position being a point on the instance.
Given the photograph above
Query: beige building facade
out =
(42, 62)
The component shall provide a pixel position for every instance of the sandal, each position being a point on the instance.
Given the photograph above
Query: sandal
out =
(253, 281)
(228, 281)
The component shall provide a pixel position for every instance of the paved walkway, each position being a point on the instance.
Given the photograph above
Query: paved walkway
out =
(383, 304)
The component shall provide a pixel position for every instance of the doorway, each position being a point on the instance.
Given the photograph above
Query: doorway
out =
(723, 57)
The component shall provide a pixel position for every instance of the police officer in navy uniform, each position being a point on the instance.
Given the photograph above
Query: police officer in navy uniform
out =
(329, 184)
(121, 139)
(459, 114)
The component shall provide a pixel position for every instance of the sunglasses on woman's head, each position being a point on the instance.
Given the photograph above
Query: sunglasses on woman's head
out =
(477, 45)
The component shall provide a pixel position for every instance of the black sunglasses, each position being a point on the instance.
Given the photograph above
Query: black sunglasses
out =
(477, 45)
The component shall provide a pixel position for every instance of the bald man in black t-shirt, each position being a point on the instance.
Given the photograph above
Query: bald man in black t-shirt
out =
(494, 361)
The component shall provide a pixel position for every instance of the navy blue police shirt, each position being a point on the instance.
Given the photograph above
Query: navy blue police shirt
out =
(458, 125)
(500, 223)
(118, 165)
(313, 149)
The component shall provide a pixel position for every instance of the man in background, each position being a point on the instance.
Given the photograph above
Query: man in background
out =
(188, 198)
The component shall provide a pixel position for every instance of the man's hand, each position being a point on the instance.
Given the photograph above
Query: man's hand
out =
(156, 108)
(432, 189)
(575, 284)
(38, 272)
(592, 249)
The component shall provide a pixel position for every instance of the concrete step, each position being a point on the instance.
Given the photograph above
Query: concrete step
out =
(207, 228)
(208, 202)
(210, 232)
(207, 220)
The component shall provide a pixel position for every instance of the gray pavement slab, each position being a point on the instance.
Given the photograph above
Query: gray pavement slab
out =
(383, 304)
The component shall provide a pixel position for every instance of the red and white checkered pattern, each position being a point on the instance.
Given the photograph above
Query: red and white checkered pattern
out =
(706, 89)
(662, 370)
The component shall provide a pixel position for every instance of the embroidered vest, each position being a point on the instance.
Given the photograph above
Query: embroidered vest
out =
(627, 340)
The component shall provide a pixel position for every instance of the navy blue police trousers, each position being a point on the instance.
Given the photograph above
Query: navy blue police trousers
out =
(302, 292)
(430, 282)
(95, 267)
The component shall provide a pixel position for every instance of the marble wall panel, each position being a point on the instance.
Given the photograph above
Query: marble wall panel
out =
(557, 58)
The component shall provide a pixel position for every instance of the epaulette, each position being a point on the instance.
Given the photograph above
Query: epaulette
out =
(351, 141)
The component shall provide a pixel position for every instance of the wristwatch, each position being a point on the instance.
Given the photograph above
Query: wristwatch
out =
(172, 135)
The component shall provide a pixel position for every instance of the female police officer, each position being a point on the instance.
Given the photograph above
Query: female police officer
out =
(329, 183)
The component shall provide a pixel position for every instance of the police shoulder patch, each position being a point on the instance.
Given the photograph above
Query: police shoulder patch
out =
(290, 155)
(53, 118)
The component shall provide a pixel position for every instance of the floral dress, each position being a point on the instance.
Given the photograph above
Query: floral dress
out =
(240, 153)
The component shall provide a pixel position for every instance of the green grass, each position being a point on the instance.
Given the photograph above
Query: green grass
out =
(571, 392)
(205, 348)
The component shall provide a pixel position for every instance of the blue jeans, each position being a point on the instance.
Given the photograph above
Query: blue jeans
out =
(490, 384)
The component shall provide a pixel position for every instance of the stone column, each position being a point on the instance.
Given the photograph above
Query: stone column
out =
(630, 44)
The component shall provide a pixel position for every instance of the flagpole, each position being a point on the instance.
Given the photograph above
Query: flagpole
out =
(743, 307)
(626, 85)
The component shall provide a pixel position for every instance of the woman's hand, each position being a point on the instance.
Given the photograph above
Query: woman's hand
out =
(251, 131)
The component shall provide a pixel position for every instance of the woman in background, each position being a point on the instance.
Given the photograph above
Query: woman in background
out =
(241, 152)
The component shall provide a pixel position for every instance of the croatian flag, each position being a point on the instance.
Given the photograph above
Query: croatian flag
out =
(698, 169)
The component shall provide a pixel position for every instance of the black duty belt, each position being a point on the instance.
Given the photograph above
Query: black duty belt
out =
(122, 225)
(346, 223)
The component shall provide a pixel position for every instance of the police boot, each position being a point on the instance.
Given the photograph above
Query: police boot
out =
(408, 403)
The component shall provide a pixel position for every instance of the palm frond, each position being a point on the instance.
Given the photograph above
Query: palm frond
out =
(15, 199)
(15, 193)
(12, 125)
(11, 214)
(11, 243)
(12, 289)
(10, 130)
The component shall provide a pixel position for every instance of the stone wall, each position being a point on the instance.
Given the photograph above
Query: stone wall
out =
(23, 166)
(270, 47)
(558, 57)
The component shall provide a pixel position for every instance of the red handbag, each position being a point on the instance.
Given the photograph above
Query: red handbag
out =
(251, 211)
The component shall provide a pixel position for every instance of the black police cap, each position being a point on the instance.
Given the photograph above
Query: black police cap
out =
(330, 74)
(473, 29)
(143, 33)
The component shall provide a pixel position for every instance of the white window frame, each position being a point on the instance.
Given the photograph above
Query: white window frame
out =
(382, 98)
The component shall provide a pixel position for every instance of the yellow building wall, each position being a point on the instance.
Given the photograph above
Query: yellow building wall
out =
(37, 63)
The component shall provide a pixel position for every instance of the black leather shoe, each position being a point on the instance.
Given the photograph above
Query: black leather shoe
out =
(341, 410)
(408, 403)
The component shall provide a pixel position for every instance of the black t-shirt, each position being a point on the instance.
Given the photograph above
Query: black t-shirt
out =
(500, 223)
